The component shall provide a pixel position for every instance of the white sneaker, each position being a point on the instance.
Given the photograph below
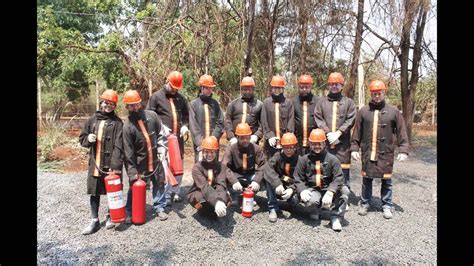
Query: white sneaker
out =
(336, 224)
(387, 213)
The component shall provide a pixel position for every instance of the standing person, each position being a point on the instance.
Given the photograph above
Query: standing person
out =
(246, 109)
(277, 116)
(376, 127)
(172, 108)
(244, 163)
(318, 175)
(335, 114)
(102, 134)
(209, 187)
(145, 147)
(304, 105)
(205, 116)
(278, 174)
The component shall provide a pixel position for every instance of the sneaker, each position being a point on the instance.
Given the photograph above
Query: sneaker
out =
(162, 215)
(336, 224)
(93, 227)
(177, 198)
(272, 216)
(363, 211)
(108, 223)
(387, 213)
(314, 216)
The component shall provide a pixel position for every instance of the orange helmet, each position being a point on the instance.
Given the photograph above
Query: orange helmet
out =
(243, 129)
(247, 82)
(278, 81)
(317, 135)
(131, 97)
(109, 95)
(335, 77)
(176, 79)
(305, 79)
(206, 80)
(288, 139)
(377, 85)
(210, 143)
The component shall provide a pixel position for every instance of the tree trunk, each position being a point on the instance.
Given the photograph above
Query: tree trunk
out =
(248, 53)
(303, 29)
(40, 111)
(150, 87)
(349, 86)
(433, 112)
(96, 95)
(271, 18)
(360, 85)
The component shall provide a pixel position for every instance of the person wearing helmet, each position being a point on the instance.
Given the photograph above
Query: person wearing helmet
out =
(205, 116)
(319, 181)
(304, 105)
(335, 114)
(376, 127)
(144, 141)
(278, 174)
(102, 134)
(244, 162)
(277, 116)
(172, 108)
(208, 191)
(245, 109)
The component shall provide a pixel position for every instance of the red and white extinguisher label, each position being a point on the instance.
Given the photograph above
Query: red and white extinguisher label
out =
(247, 204)
(115, 200)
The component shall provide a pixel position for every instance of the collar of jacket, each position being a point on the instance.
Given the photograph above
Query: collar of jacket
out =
(104, 116)
(289, 159)
(278, 98)
(307, 98)
(204, 98)
(376, 106)
(249, 100)
(207, 165)
(335, 96)
(135, 116)
(242, 149)
(317, 156)
(168, 94)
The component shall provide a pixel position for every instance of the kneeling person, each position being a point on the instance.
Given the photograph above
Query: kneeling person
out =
(278, 173)
(209, 187)
(318, 174)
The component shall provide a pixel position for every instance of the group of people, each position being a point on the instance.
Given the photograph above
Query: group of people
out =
(308, 144)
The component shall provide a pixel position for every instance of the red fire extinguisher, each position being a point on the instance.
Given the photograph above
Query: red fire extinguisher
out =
(247, 203)
(138, 201)
(113, 187)
(176, 163)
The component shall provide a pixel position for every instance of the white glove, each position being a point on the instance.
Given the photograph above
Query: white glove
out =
(220, 208)
(272, 141)
(279, 190)
(327, 199)
(91, 138)
(232, 141)
(161, 153)
(287, 194)
(184, 130)
(165, 131)
(305, 195)
(237, 186)
(253, 139)
(333, 136)
(402, 156)
(355, 155)
(254, 186)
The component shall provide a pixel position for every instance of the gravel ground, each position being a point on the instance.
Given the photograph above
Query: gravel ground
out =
(409, 237)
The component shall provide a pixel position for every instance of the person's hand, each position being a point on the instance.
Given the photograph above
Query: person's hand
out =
(333, 136)
(305, 195)
(287, 193)
(161, 153)
(237, 186)
(254, 186)
(327, 199)
(279, 190)
(272, 141)
(355, 155)
(232, 141)
(91, 138)
(220, 208)
(184, 130)
(402, 157)
(253, 138)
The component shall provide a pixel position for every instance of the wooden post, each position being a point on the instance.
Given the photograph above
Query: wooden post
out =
(433, 112)
(360, 85)
(39, 106)
(150, 88)
(97, 94)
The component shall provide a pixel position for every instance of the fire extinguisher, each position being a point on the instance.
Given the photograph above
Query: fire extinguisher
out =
(138, 201)
(176, 163)
(113, 187)
(247, 203)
